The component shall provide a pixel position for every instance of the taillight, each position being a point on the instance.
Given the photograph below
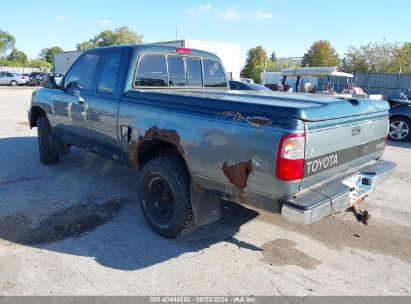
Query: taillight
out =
(388, 133)
(290, 157)
(183, 50)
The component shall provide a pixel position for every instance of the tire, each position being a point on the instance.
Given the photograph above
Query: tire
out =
(38, 83)
(43, 136)
(14, 83)
(165, 196)
(399, 129)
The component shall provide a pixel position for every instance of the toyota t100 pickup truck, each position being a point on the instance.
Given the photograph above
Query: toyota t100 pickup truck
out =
(169, 112)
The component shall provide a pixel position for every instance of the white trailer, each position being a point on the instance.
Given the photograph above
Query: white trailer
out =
(63, 61)
(228, 53)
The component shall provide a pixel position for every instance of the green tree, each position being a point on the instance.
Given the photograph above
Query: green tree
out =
(378, 57)
(39, 63)
(254, 64)
(273, 57)
(119, 36)
(402, 58)
(17, 56)
(321, 53)
(85, 45)
(7, 42)
(48, 53)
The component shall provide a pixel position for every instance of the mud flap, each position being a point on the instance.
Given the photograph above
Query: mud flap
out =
(205, 205)
(58, 147)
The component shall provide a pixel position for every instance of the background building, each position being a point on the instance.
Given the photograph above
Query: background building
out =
(63, 61)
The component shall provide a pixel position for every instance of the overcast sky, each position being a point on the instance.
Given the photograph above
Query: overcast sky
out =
(287, 27)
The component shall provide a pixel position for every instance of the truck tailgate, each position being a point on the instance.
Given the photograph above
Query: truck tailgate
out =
(334, 147)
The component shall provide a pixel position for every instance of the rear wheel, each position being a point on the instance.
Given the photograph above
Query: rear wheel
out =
(13, 83)
(38, 83)
(43, 133)
(399, 129)
(165, 196)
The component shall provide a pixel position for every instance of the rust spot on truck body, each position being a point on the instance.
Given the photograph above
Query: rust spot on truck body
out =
(258, 122)
(170, 136)
(238, 174)
(235, 115)
(152, 134)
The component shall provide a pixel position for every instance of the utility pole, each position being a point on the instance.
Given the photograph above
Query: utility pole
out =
(176, 32)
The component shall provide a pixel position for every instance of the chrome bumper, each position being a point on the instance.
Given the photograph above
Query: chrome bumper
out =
(336, 195)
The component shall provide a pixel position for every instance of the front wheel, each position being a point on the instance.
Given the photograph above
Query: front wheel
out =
(165, 196)
(43, 132)
(399, 129)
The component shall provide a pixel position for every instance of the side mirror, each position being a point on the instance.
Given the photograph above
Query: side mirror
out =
(50, 82)
(74, 88)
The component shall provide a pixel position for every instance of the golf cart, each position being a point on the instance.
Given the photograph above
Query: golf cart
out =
(350, 90)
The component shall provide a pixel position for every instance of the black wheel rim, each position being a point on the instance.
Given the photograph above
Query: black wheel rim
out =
(160, 200)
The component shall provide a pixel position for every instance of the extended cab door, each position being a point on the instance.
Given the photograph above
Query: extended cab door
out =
(103, 106)
(71, 103)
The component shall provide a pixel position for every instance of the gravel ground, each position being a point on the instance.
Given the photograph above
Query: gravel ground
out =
(75, 229)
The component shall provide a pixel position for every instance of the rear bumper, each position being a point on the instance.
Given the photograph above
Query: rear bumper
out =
(336, 195)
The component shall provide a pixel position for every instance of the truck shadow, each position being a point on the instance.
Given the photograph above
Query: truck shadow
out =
(87, 206)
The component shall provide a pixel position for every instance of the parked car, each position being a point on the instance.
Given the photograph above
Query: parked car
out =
(242, 85)
(400, 120)
(13, 79)
(32, 76)
(36, 79)
(169, 113)
(24, 76)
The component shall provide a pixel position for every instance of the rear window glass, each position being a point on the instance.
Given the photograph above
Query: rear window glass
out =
(194, 76)
(213, 74)
(176, 71)
(152, 71)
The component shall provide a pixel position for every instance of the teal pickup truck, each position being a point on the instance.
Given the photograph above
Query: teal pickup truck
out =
(169, 113)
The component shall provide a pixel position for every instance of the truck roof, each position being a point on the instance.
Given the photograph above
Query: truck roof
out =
(155, 48)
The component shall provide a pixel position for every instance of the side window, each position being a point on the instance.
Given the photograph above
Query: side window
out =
(109, 72)
(83, 71)
(194, 76)
(176, 71)
(152, 71)
(213, 74)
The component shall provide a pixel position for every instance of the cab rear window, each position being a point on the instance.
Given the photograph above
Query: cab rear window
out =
(214, 75)
(194, 74)
(152, 71)
(178, 71)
